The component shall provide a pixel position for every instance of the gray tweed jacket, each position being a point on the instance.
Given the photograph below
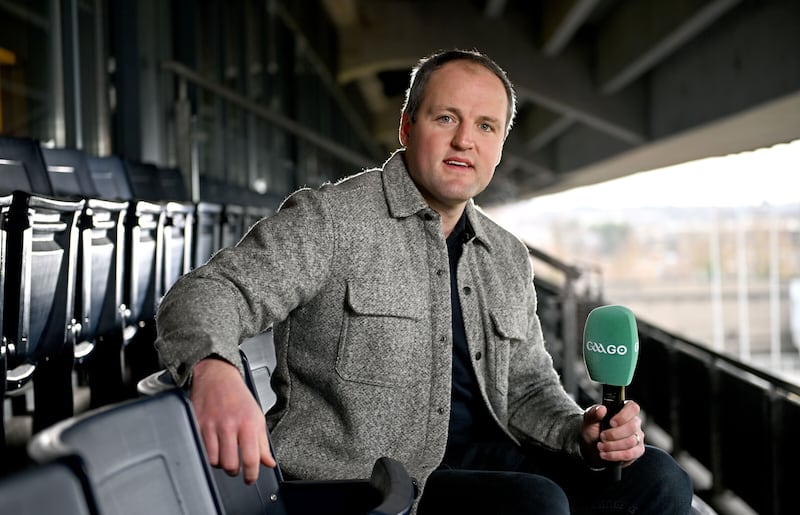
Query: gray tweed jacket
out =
(355, 278)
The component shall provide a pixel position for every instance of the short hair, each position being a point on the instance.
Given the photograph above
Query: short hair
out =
(422, 72)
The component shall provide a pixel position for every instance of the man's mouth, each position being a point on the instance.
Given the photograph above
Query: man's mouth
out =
(453, 162)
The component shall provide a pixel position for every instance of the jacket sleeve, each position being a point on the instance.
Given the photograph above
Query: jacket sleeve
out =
(280, 264)
(540, 410)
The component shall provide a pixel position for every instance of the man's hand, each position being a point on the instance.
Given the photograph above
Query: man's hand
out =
(622, 442)
(230, 419)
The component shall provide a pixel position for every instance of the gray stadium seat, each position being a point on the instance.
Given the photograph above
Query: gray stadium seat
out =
(142, 456)
(59, 486)
(389, 490)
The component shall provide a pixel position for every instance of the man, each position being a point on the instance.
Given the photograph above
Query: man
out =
(405, 325)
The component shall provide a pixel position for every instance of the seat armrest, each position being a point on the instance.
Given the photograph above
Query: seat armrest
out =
(398, 490)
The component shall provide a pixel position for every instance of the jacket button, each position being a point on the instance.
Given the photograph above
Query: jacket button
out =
(428, 217)
(440, 272)
(478, 356)
(467, 290)
(440, 411)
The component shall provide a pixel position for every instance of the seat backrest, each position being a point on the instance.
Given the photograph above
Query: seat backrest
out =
(172, 185)
(59, 486)
(143, 178)
(109, 178)
(142, 456)
(22, 167)
(68, 171)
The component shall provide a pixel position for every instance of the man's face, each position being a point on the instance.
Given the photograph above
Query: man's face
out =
(457, 139)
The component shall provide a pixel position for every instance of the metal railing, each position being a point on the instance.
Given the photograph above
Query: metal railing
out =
(732, 425)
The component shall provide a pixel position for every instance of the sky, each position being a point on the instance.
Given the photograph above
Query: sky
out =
(764, 176)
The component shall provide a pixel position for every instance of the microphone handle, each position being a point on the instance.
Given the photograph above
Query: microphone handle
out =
(613, 400)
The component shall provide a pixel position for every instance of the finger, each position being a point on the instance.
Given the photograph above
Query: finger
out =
(212, 446)
(251, 456)
(633, 450)
(621, 436)
(266, 453)
(629, 411)
(594, 414)
(229, 453)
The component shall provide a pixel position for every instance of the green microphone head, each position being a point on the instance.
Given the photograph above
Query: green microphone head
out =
(611, 345)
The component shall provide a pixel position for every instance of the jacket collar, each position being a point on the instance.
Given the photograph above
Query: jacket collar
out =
(404, 199)
(402, 195)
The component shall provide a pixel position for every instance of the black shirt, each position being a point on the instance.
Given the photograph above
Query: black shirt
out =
(470, 420)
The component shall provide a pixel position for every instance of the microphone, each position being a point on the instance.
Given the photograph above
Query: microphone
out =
(610, 351)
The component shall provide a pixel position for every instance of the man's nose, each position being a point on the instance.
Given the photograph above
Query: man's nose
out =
(463, 138)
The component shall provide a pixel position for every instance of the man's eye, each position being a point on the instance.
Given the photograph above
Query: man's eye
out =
(486, 127)
(446, 118)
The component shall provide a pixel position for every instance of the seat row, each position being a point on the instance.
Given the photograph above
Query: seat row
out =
(146, 456)
(88, 246)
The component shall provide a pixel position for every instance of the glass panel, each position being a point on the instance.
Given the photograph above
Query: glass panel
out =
(27, 70)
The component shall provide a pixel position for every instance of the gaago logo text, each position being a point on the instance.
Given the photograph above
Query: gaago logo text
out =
(618, 350)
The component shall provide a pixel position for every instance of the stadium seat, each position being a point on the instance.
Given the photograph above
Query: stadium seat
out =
(39, 240)
(150, 183)
(98, 304)
(142, 456)
(59, 486)
(144, 248)
(389, 490)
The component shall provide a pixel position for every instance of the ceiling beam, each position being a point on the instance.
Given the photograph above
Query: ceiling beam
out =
(560, 20)
(639, 35)
(538, 127)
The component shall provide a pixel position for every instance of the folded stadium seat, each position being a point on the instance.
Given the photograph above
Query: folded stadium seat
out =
(98, 304)
(257, 352)
(389, 490)
(39, 240)
(145, 180)
(232, 216)
(207, 228)
(142, 290)
(59, 486)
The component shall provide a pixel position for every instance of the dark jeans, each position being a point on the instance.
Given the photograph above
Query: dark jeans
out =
(502, 478)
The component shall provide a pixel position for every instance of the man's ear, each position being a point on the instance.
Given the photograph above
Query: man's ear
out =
(405, 127)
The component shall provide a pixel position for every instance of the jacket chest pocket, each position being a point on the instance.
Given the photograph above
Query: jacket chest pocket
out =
(508, 328)
(380, 325)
